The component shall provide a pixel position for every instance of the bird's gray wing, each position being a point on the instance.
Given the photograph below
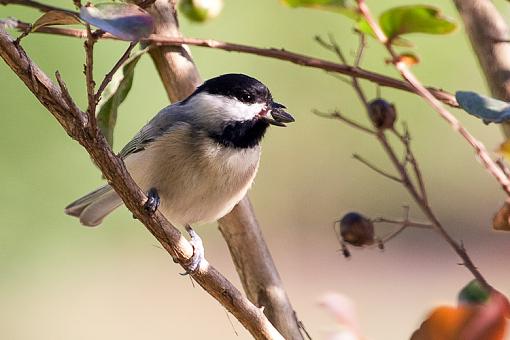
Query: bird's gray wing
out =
(158, 126)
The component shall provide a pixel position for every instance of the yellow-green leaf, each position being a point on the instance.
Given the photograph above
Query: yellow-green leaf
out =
(338, 6)
(55, 18)
(415, 19)
(363, 26)
(114, 94)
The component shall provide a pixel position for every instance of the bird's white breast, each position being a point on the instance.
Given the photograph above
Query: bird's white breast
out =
(197, 179)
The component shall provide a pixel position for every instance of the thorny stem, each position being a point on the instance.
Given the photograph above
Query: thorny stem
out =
(274, 53)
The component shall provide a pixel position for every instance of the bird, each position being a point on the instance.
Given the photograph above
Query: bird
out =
(197, 158)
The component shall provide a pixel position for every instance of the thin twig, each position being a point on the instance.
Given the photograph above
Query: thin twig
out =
(115, 171)
(503, 166)
(339, 116)
(73, 108)
(489, 164)
(333, 47)
(36, 5)
(359, 52)
(405, 139)
(376, 169)
(413, 224)
(89, 75)
(419, 89)
(340, 77)
(108, 77)
(274, 53)
(303, 328)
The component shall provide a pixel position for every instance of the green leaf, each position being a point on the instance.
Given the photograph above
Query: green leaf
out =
(363, 26)
(125, 21)
(337, 6)
(488, 109)
(415, 19)
(114, 94)
(473, 293)
(55, 18)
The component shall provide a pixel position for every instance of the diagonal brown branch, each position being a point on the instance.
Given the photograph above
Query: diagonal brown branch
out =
(114, 170)
(274, 53)
(180, 78)
(108, 77)
(89, 74)
(37, 5)
(240, 228)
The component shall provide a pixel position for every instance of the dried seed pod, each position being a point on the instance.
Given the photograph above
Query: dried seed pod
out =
(356, 229)
(382, 113)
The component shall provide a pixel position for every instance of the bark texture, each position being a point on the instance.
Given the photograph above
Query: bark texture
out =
(77, 124)
(240, 229)
(489, 35)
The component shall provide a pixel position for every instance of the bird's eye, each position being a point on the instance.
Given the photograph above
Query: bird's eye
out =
(246, 97)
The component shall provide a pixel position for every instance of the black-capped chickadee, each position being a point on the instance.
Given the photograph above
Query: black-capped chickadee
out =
(196, 158)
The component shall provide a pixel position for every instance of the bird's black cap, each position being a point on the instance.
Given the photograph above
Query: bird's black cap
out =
(235, 85)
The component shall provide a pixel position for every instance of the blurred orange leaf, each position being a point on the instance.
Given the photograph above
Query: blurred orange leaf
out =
(485, 321)
(504, 149)
(501, 220)
(409, 58)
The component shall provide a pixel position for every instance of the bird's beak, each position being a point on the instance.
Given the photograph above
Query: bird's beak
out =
(280, 117)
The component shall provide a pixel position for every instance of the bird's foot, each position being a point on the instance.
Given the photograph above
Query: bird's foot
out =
(193, 263)
(153, 201)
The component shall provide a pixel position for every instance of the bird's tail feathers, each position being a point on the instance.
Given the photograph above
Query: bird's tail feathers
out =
(93, 207)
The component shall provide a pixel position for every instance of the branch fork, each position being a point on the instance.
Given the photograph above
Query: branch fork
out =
(58, 101)
(417, 192)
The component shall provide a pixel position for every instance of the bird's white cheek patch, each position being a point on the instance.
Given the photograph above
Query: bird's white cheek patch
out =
(226, 108)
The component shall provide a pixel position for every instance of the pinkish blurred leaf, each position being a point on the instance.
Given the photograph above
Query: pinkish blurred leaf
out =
(344, 311)
(55, 18)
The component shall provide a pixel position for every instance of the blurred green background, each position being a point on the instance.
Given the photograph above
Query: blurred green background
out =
(59, 280)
